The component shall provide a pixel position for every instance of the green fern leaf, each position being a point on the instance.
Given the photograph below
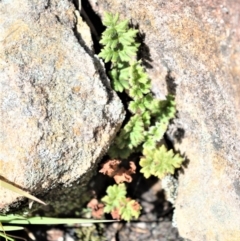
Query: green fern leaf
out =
(154, 106)
(159, 162)
(115, 152)
(123, 67)
(130, 137)
(122, 28)
(115, 195)
(136, 106)
(123, 55)
(128, 212)
(139, 81)
(115, 19)
(109, 19)
(149, 143)
(168, 162)
(119, 80)
(147, 100)
(115, 57)
(135, 92)
(131, 35)
(105, 39)
(131, 50)
(106, 54)
(128, 38)
(154, 135)
(137, 74)
(122, 147)
(135, 127)
(146, 117)
(146, 163)
(124, 41)
(118, 40)
(167, 109)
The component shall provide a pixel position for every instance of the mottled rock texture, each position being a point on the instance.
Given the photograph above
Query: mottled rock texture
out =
(58, 113)
(198, 44)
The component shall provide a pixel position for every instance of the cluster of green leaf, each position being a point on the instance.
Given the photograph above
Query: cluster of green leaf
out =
(119, 205)
(118, 40)
(150, 116)
(159, 162)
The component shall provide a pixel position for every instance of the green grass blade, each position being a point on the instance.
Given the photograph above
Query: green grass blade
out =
(19, 191)
(54, 221)
(6, 237)
(9, 217)
(10, 228)
(3, 234)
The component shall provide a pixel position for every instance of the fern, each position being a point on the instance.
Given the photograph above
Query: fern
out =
(167, 109)
(118, 40)
(115, 196)
(123, 153)
(130, 209)
(139, 81)
(119, 75)
(116, 202)
(130, 136)
(154, 135)
(135, 127)
(159, 162)
(150, 116)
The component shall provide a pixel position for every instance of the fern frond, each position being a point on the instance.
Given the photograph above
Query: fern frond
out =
(146, 127)
(136, 106)
(110, 19)
(116, 201)
(118, 40)
(135, 128)
(139, 81)
(154, 135)
(129, 210)
(159, 162)
(115, 195)
(146, 117)
(119, 79)
(115, 152)
(167, 109)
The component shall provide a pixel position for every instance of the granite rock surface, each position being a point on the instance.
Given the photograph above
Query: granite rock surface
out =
(58, 112)
(192, 49)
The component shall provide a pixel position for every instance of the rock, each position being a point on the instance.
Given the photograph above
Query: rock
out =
(198, 45)
(58, 112)
(170, 185)
(84, 32)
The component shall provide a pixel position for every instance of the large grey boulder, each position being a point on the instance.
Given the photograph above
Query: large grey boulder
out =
(197, 43)
(58, 112)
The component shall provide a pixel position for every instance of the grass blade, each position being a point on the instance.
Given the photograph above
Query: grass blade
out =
(6, 237)
(54, 221)
(10, 228)
(20, 191)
